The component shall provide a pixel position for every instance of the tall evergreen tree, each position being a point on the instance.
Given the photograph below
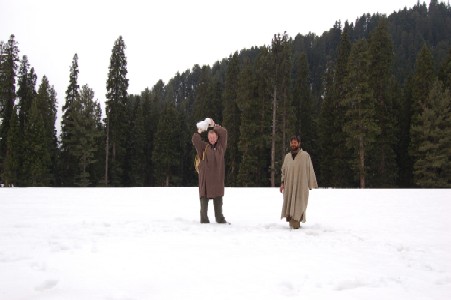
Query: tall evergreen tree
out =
(97, 170)
(383, 159)
(231, 119)
(46, 102)
(29, 129)
(203, 103)
(116, 107)
(445, 72)
(247, 101)
(432, 167)
(150, 113)
(26, 91)
(165, 155)
(283, 113)
(136, 139)
(254, 103)
(326, 128)
(360, 124)
(405, 162)
(9, 58)
(86, 133)
(36, 159)
(422, 82)
(68, 163)
(12, 160)
(302, 99)
(334, 167)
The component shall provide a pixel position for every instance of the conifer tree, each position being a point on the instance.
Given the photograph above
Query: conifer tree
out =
(254, 103)
(432, 167)
(166, 152)
(231, 119)
(86, 133)
(383, 160)
(116, 107)
(247, 102)
(31, 169)
(265, 105)
(12, 159)
(26, 91)
(150, 113)
(203, 104)
(176, 93)
(9, 58)
(326, 127)
(422, 82)
(36, 159)
(360, 124)
(302, 100)
(68, 163)
(46, 102)
(134, 172)
(445, 72)
(283, 113)
(334, 167)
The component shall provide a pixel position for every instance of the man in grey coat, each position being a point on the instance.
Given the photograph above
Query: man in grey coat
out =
(298, 177)
(211, 169)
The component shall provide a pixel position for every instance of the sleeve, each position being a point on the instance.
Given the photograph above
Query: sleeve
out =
(312, 184)
(283, 170)
(198, 143)
(222, 136)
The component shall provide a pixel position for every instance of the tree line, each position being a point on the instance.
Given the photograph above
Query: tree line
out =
(370, 99)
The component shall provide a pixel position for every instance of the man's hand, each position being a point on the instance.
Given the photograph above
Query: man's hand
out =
(281, 187)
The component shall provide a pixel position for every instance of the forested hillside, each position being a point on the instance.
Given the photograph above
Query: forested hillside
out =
(370, 99)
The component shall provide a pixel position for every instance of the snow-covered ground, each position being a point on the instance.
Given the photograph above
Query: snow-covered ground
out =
(147, 243)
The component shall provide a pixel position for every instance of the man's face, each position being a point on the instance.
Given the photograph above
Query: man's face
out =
(212, 137)
(294, 144)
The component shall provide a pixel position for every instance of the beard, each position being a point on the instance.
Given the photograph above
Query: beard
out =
(294, 148)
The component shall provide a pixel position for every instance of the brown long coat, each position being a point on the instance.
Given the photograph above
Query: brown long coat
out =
(212, 168)
(298, 177)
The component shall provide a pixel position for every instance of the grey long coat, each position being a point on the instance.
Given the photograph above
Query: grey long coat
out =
(212, 168)
(298, 177)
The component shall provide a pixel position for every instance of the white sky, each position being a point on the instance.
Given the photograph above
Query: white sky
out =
(162, 37)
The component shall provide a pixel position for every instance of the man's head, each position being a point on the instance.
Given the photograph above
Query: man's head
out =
(295, 142)
(212, 136)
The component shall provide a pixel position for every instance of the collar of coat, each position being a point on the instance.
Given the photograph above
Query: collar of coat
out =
(294, 153)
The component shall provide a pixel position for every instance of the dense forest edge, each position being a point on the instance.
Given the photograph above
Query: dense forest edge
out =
(371, 100)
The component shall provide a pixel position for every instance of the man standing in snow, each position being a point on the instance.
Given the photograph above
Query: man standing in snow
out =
(298, 177)
(211, 168)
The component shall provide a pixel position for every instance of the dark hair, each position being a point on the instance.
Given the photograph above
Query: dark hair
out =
(295, 137)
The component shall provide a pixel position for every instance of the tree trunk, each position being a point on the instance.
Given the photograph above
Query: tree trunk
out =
(273, 138)
(107, 152)
(362, 163)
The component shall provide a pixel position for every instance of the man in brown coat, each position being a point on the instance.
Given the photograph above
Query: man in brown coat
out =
(211, 169)
(298, 177)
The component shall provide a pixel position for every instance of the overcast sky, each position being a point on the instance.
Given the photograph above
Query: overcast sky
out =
(162, 37)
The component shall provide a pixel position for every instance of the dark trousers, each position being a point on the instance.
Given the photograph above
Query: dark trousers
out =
(217, 203)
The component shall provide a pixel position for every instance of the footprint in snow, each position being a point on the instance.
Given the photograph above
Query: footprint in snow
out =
(46, 285)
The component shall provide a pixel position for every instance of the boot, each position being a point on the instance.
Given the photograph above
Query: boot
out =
(295, 224)
(217, 202)
(204, 210)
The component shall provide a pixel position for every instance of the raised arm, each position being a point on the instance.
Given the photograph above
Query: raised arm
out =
(198, 143)
(222, 136)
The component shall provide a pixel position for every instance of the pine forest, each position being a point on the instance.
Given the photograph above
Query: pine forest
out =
(371, 101)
